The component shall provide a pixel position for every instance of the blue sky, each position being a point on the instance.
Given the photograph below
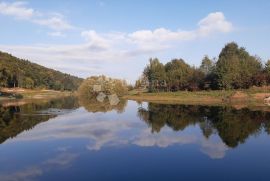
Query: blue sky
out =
(117, 37)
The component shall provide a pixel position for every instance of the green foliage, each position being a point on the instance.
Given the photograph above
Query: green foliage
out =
(156, 75)
(28, 83)
(15, 72)
(267, 67)
(174, 75)
(93, 86)
(108, 86)
(207, 65)
(196, 80)
(235, 69)
(142, 82)
(178, 73)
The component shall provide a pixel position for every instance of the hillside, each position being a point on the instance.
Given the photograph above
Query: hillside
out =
(15, 72)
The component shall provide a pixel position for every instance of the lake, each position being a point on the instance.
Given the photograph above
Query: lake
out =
(67, 139)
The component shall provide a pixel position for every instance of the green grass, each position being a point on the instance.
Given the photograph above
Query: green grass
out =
(236, 98)
(212, 93)
(36, 94)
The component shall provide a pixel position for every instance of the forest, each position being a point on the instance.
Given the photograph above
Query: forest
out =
(15, 72)
(234, 68)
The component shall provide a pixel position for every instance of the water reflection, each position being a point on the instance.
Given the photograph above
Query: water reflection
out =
(233, 126)
(95, 106)
(92, 105)
(60, 161)
(64, 138)
(16, 117)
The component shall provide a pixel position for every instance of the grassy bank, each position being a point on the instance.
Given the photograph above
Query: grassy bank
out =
(253, 97)
(8, 93)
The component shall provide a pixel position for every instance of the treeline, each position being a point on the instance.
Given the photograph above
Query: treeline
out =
(235, 68)
(15, 72)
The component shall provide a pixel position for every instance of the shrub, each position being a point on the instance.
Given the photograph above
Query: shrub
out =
(92, 86)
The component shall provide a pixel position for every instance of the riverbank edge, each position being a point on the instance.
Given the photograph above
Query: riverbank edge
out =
(237, 99)
(33, 94)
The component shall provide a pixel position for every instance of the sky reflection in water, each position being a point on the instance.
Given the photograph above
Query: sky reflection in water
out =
(124, 143)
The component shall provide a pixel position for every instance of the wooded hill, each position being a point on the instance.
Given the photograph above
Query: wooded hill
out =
(15, 72)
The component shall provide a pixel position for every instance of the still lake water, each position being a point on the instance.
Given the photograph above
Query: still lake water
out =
(62, 140)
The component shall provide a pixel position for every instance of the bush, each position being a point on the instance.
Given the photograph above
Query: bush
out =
(92, 86)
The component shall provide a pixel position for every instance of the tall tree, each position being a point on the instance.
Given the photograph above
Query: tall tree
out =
(207, 65)
(235, 67)
(267, 66)
(178, 74)
(156, 75)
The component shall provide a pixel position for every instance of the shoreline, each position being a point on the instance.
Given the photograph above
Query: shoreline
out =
(251, 98)
(236, 99)
(30, 95)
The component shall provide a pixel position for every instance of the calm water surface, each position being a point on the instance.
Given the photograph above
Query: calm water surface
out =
(67, 140)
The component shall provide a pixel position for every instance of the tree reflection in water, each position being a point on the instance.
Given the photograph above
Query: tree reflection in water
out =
(233, 126)
(94, 106)
(14, 119)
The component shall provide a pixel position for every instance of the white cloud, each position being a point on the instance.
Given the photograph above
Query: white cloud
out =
(214, 22)
(145, 41)
(95, 40)
(163, 139)
(160, 35)
(16, 9)
(61, 161)
(19, 10)
(111, 48)
(214, 149)
(54, 23)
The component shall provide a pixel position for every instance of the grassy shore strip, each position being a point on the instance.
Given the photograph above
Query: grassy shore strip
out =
(44, 94)
(239, 99)
(181, 97)
(34, 93)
